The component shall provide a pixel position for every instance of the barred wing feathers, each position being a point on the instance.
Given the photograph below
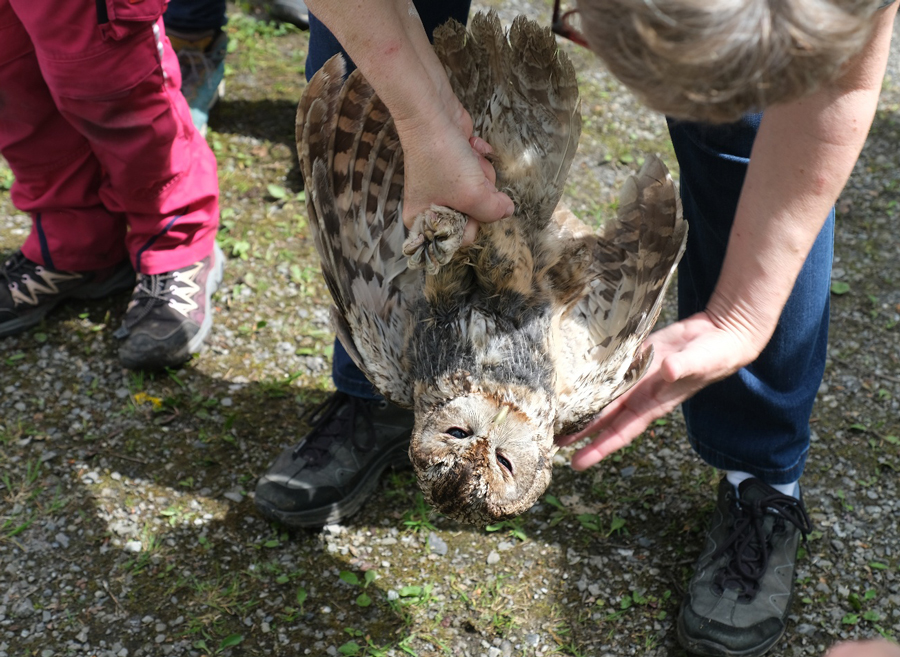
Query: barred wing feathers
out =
(632, 260)
(352, 163)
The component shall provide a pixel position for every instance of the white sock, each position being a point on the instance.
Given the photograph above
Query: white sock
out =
(735, 477)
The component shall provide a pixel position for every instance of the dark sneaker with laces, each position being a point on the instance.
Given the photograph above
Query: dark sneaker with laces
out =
(170, 315)
(334, 469)
(740, 595)
(28, 291)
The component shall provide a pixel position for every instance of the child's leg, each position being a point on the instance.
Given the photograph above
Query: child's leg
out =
(115, 78)
(57, 175)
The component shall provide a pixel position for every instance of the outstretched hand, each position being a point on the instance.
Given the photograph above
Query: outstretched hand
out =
(688, 355)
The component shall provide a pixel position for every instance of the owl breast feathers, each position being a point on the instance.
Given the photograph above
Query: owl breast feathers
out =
(523, 335)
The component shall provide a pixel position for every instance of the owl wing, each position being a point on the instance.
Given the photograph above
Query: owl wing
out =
(616, 303)
(522, 94)
(352, 166)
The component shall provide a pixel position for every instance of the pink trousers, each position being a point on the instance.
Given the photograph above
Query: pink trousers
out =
(100, 139)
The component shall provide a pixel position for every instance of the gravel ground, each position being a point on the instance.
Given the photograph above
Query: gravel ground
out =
(127, 525)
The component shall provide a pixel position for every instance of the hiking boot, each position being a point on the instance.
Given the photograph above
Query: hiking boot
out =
(170, 315)
(740, 595)
(201, 58)
(28, 291)
(290, 11)
(333, 470)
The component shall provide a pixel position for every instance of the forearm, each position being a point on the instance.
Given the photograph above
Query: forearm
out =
(803, 155)
(386, 40)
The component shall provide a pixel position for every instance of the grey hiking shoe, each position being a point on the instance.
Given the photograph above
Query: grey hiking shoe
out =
(28, 291)
(170, 315)
(740, 595)
(334, 469)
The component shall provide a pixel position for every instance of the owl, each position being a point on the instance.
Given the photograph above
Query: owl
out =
(525, 334)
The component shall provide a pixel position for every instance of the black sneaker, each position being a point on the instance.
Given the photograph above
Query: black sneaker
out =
(28, 291)
(170, 315)
(740, 595)
(334, 469)
(290, 11)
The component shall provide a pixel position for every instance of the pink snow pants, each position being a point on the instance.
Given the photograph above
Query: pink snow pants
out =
(100, 139)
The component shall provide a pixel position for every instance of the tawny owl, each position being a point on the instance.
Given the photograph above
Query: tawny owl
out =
(525, 334)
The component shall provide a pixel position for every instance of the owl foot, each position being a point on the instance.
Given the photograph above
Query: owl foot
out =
(435, 237)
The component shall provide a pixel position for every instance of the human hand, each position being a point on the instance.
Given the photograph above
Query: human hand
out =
(865, 649)
(445, 165)
(688, 355)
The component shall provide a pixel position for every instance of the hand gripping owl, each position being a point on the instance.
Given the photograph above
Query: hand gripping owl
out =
(527, 333)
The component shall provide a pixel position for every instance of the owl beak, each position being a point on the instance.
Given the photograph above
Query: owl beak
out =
(500, 418)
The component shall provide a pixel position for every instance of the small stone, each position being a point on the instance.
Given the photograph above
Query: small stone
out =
(133, 546)
(62, 539)
(234, 496)
(226, 402)
(436, 544)
(493, 558)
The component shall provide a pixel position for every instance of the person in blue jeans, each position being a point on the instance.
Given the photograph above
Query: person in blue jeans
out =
(747, 355)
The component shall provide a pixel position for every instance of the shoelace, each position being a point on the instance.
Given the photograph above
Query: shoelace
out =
(8, 268)
(327, 425)
(750, 543)
(151, 291)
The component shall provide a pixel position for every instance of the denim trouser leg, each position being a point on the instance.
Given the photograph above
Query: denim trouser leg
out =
(757, 420)
(195, 15)
(322, 46)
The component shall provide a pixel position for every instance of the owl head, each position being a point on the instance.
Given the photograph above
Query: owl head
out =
(479, 459)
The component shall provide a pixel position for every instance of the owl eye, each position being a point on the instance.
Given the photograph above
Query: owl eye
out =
(456, 432)
(504, 462)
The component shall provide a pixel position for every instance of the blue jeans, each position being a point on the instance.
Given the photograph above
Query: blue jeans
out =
(322, 46)
(757, 420)
(195, 15)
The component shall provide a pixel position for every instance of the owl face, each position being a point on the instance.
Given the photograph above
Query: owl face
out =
(479, 459)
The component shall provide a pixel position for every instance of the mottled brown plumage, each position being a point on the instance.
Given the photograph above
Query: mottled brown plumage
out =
(525, 334)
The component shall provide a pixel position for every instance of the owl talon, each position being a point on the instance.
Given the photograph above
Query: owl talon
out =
(434, 239)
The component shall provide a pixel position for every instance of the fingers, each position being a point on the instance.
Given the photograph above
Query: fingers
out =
(865, 649)
(480, 146)
(622, 428)
(470, 232)
(486, 204)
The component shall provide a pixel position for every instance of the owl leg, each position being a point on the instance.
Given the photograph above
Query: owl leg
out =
(435, 237)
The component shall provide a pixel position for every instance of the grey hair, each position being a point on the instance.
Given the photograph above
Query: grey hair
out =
(714, 60)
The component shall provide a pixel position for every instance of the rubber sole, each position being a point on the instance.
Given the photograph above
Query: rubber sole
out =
(703, 648)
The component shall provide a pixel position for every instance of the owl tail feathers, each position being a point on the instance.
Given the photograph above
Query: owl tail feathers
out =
(522, 94)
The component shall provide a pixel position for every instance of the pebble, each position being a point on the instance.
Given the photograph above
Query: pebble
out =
(436, 544)
(493, 558)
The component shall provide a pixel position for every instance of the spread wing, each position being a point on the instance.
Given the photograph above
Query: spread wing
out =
(629, 265)
(352, 165)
